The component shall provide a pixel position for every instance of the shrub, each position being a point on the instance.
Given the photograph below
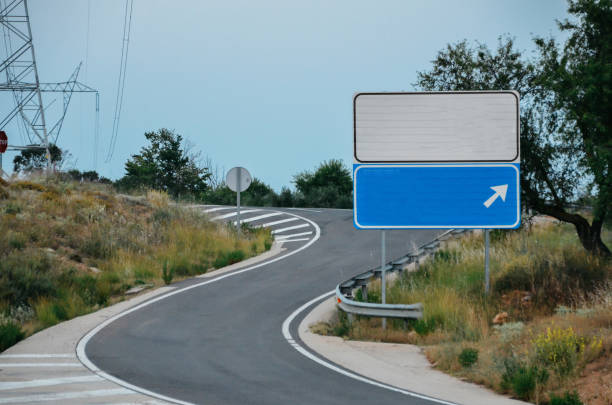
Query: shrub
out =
(509, 330)
(523, 380)
(25, 276)
(28, 185)
(227, 258)
(10, 333)
(559, 349)
(468, 357)
(569, 398)
(167, 274)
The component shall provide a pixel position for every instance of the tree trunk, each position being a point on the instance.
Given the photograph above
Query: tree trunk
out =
(589, 234)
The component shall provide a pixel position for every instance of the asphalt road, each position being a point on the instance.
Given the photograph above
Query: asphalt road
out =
(221, 343)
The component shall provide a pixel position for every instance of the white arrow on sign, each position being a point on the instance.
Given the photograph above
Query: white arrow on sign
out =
(500, 191)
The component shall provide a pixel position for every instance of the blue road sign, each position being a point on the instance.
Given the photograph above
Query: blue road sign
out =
(436, 196)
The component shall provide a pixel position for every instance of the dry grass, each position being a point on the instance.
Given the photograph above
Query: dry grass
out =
(68, 248)
(540, 276)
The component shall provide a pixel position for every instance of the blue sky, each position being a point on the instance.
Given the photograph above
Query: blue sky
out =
(267, 85)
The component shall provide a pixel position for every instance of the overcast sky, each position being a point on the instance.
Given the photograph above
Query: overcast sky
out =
(267, 85)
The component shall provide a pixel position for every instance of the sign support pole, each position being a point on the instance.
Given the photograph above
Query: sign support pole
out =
(487, 275)
(238, 199)
(383, 273)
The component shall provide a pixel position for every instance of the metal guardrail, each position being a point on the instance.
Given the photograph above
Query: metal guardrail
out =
(344, 290)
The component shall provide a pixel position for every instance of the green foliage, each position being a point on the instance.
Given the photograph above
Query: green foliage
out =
(343, 326)
(569, 398)
(35, 159)
(167, 273)
(559, 349)
(25, 276)
(330, 186)
(565, 109)
(227, 258)
(468, 357)
(165, 165)
(523, 380)
(10, 333)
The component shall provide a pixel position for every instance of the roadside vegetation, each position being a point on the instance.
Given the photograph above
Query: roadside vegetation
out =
(68, 248)
(545, 330)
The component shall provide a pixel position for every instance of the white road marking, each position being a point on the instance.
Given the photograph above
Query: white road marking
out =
(331, 366)
(66, 395)
(289, 228)
(233, 214)
(281, 237)
(281, 221)
(16, 365)
(303, 209)
(272, 214)
(16, 385)
(80, 350)
(291, 240)
(217, 209)
(38, 356)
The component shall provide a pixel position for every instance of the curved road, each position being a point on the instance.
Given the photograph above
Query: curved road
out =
(221, 343)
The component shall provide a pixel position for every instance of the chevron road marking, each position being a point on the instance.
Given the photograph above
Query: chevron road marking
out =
(290, 228)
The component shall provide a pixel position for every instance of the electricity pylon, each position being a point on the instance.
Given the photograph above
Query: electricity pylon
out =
(19, 68)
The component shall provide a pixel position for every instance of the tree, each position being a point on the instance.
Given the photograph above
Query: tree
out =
(165, 165)
(35, 159)
(576, 83)
(555, 164)
(331, 185)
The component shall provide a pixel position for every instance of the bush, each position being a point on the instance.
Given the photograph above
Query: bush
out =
(560, 349)
(523, 380)
(227, 258)
(167, 274)
(468, 357)
(10, 333)
(569, 398)
(25, 276)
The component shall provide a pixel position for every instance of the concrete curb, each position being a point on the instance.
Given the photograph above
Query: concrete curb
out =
(400, 365)
(45, 366)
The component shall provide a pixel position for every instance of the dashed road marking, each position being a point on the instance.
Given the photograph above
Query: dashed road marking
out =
(292, 240)
(66, 395)
(233, 214)
(16, 385)
(272, 214)
(217, 209)
(17, 365)
(280, 221)
(38, 356)
(281, 237)
(290, 228)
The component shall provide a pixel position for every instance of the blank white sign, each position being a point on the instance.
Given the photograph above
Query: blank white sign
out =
(437, 127)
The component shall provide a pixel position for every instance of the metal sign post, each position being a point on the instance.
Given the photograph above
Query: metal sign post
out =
(383, 273)
(238, 179)
(487, 276)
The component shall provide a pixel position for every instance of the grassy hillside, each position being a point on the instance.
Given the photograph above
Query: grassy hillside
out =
(545, 329)
(68, 248)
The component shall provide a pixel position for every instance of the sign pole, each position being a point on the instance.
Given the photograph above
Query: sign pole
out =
(383, 273)
(238, 198)
(487, 275)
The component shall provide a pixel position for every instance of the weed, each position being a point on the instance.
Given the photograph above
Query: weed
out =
(10, 333)
(525, 381)
(468, 357)
(228, 258)
(167, 274)
(560, 349)
(569, 398)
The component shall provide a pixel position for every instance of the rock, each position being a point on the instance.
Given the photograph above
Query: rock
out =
(500, 318)
(413, 337)
(49, 250)
(137, 289)
(95, 270)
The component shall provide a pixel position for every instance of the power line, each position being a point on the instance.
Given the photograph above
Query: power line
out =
(127, 25)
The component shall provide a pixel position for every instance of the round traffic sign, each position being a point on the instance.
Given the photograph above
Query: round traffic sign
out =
(3, 141)
(238, 178)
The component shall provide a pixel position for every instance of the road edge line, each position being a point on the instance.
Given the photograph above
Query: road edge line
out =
(334, 367)
(80, 348)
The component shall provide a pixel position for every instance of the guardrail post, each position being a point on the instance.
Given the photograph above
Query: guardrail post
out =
(364, 292)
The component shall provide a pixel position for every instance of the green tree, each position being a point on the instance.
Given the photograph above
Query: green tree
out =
(330, 186)
(165, 164)
(564, 150)
(575, 83)
(35, 159)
